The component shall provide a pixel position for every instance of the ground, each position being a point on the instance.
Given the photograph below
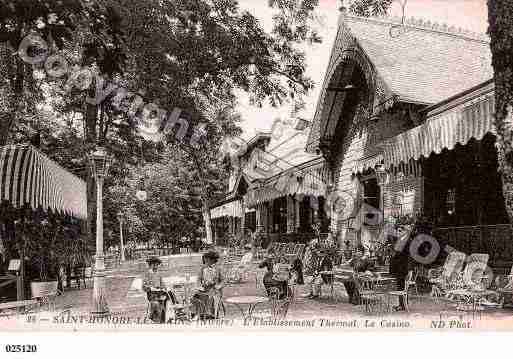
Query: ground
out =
(125, 302)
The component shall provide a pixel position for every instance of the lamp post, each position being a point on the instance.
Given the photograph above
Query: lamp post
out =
(99, 162)
(121, 243)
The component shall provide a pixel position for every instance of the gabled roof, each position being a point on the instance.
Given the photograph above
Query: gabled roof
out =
(425, 64)
(284, 152)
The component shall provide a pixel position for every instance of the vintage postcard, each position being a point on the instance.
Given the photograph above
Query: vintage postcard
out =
(260, 166)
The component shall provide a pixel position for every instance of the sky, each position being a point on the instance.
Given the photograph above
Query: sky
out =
(468, 14)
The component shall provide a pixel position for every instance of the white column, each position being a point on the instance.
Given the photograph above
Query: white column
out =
(121, 244)
(100, 306)
(290, 215)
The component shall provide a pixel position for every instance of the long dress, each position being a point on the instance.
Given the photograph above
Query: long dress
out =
(205, 299)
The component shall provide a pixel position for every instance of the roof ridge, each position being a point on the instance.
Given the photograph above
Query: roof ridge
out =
(427, 25)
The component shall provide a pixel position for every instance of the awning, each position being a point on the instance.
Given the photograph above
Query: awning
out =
(312, 180)
(367, 163)
(473, 119)
(27, 176)
(230, 209)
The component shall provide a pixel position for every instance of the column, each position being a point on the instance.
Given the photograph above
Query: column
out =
(265, 216)
(243, 218)
(290, 215)
(296, 211)
(260, 217)
(315, 209)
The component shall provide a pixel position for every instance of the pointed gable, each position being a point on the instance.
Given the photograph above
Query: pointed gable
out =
(422, 63)
(426, 63)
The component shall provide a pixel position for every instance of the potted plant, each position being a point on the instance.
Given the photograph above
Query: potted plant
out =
(40, 247)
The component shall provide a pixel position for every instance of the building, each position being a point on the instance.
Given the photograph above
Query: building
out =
(403, 125)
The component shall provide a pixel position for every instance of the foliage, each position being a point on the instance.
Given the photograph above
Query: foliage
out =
(500, 15)
(368, 8)
(50, 242)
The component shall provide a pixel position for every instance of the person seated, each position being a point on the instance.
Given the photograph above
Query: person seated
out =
(156, 293)
(324, 264)
(211, 282)
(359, 263)
(274, 278)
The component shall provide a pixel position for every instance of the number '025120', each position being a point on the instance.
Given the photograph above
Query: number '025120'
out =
(17, 348)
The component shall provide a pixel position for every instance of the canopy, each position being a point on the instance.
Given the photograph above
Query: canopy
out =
(310, 180)
(472, 119)
(28, 176)
(230, 209)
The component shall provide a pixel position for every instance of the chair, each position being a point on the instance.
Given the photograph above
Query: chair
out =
(239, 272)
(289, 248)
(443, 278)
(219, 308)
(403, 293)
(299, 250)
(412, 284)
(369, 297)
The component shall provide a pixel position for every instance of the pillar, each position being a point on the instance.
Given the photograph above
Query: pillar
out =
(265, 216)
(260, 217)
(290, 215)
(243, 218)
(296, 211)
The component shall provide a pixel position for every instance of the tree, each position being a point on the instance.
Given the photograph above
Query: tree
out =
(500, 19)
(171, 53)
(56, 21)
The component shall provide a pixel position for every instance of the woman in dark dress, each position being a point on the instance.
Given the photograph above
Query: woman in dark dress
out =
(272, 280)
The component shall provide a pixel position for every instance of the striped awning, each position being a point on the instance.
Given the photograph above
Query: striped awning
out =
(368, 163)
(312, 180)
(473, 119)
(230, 209)
(27, 176)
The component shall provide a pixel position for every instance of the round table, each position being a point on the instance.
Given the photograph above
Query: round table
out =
(248, 300)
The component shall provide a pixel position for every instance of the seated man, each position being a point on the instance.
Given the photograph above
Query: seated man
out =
(360, 264)
(154, 288)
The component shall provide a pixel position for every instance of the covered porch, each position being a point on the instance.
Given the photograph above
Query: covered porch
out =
(453, 158)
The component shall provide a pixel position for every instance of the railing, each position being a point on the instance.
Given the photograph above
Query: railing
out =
(496, 240)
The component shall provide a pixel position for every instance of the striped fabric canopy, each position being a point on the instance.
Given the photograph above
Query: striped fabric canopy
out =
(28, 176)
(457, 125)
(230, 209)
(312, 180)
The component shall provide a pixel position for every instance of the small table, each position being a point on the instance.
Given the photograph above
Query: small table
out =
(249, 300)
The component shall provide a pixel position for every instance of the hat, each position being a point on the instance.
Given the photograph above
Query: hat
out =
(154, 259)
(212, 255)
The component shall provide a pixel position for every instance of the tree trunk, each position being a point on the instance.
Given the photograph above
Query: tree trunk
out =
(500, 13)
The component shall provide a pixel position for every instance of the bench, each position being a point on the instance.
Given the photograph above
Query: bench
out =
(19, 304)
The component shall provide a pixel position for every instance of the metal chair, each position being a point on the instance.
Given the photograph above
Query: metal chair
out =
(403, 293)
(369, 297)
(412, 284)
